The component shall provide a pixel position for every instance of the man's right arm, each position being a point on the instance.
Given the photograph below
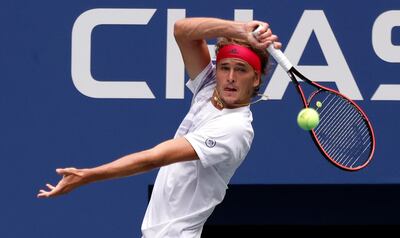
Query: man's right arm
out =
(191, 35)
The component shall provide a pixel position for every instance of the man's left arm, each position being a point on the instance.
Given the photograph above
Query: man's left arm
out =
(165, 153)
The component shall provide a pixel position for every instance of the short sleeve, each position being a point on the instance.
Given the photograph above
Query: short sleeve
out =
(202, 79)
(219, 141)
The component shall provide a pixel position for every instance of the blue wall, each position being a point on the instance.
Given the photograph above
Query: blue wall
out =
(48, 122)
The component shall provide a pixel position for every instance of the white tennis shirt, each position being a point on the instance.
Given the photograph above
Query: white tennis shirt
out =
(186, 193)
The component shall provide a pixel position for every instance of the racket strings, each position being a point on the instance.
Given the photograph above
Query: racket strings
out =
(342, 132)
(338, 138)
(354, 148)
(350, 145)
(348, 161)
(336, 125)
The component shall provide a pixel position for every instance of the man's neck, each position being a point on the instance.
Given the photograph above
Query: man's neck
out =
(217, 101)
(220, 104)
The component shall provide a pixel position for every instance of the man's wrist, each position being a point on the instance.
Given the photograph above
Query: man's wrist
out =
(90, 175)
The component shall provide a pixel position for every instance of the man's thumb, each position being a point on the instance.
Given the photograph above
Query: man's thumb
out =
(64, 171)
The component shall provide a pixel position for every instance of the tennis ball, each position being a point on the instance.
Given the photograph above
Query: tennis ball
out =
(308, 119)
(319, 104)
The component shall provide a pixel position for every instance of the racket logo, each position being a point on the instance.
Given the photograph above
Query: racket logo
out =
(210, 143)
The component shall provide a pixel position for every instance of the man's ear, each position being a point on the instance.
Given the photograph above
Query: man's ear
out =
(257, 79)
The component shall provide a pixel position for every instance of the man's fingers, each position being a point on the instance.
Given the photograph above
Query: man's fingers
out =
(274, 38)
(50, 186)
(42, 193)
(66, 171)
(265, 35)
(265, 38)
(52, 193)
(268, 38)
(257, 29)
(277, 45)
(62, 171)
(265, 27)
(64, 185)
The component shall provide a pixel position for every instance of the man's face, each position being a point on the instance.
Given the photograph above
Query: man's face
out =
(236, 81)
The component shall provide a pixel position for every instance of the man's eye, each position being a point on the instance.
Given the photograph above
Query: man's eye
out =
(241, 69)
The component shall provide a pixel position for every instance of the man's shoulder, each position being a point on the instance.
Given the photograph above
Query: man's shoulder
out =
(204, 79)
(236, 120)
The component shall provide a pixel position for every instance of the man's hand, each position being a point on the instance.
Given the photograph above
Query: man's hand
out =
(72, 178)
(264, 37)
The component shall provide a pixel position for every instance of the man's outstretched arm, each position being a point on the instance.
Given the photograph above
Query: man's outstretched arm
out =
(168, 152)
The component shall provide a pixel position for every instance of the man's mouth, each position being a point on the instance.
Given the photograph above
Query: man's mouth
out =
(230, 89)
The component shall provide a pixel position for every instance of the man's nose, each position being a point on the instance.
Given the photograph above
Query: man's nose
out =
(231, 76)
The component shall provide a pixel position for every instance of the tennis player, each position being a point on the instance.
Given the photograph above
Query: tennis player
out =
(212, 140)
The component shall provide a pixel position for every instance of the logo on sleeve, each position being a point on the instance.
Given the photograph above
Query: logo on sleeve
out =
(210, 143)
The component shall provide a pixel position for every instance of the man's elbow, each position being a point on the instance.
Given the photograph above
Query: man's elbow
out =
(178, 28)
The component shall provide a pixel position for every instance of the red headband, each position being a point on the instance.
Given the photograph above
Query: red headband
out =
(240, 52)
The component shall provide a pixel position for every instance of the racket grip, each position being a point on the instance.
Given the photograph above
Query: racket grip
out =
(282, 60)
(279, 57)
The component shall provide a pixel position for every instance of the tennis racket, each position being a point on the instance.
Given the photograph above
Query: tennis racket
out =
(344, 134)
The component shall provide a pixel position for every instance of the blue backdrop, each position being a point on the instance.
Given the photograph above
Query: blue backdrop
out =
(48, 121)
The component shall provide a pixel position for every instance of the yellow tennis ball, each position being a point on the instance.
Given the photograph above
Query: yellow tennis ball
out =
(319, 104)
(308, 119)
